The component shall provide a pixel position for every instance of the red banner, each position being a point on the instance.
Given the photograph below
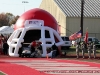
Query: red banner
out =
(86, 37)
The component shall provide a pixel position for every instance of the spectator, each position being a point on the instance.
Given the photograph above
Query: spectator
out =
(32, 46)
(55, 50)
(5, 48)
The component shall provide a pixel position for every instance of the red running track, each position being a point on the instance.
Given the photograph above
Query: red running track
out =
(19, 66)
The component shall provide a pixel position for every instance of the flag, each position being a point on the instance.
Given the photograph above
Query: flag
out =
(75, 35)
(86, 37)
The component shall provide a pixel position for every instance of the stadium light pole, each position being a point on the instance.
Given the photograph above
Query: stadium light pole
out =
(25, 3)
(82, 11)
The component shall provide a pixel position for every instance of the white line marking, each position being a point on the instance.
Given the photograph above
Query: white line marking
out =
(46, 65)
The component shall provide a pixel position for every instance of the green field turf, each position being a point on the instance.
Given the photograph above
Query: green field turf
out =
(1, 73)
(71, 55)
(72, 51)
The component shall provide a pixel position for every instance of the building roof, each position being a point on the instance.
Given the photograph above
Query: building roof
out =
(72, 8)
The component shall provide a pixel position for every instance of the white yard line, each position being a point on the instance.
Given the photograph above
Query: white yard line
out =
(46, 65)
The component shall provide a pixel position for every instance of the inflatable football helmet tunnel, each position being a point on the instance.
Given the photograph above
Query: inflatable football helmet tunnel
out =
(35, 24)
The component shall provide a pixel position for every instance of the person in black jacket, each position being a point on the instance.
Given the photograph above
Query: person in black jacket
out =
(55, 50)
(5, 48)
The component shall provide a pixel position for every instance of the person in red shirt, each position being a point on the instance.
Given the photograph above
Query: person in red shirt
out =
(33, 45)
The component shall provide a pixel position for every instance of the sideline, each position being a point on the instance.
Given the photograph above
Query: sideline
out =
(3, 73)
(84, 60)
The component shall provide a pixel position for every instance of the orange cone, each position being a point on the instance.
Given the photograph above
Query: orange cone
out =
(47, 56)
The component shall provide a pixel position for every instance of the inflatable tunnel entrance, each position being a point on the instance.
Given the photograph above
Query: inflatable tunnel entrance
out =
(34, 35)
(34, 30)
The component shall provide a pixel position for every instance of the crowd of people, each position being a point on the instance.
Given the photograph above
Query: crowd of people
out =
(83, 47)
(36, 50)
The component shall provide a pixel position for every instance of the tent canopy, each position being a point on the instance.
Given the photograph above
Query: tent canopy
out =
(6, 30)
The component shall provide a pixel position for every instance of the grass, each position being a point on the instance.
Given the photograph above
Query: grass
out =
(2, 73)
(71, 54)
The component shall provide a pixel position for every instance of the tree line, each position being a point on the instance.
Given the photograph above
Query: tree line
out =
(7, 19)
